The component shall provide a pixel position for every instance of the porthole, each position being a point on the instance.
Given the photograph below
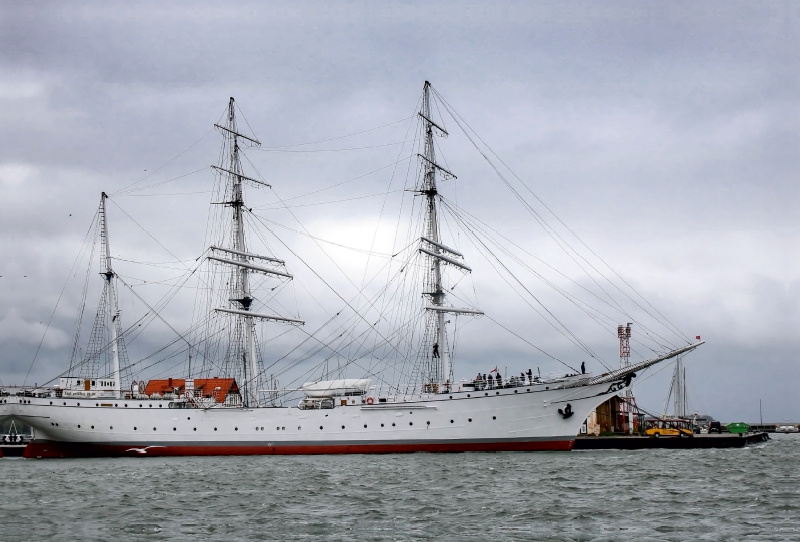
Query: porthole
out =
(51, 402)
(93, 427)
(381, 425)
(160, 406)
(174, 428)
(79, 427)
(320, 427)
(494, 417)
(154, 428)
(195, 429)
(451, 421)
(151, 406)
(277, 429)
(96, 404)
(215, 429)
(134, 429)
(343, 427)
(365, 426)
(126, 405)
(469, 395)
(528, 389)
(515, 391)
(262, 428)
(411, 412)
(283, 429)
(79, 404)
(392, 424)
(451, 397)
(116, 405)
(235, 428)
(470, 419)
(410, 423)
(487, 393)
(497, 393)
(56, 424)
(188, 417)
(428, 423)
(256, 428)
(112, 427)
(140, 406)
(65, 403)
(547, 387)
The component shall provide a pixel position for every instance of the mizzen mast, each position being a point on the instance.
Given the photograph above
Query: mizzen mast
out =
(111, 298)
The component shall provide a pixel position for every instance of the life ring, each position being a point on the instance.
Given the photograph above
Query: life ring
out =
(186, 394)
(370, 400)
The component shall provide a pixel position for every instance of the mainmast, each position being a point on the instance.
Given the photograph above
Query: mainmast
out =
(240, 259)
(432, 246)
(113, 311)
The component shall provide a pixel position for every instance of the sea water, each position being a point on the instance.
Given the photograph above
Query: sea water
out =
(750, 493)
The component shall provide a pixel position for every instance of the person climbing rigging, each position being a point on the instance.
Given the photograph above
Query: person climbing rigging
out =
(436, 350)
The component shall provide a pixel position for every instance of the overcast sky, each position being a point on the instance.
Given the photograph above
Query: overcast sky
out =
(664, 135)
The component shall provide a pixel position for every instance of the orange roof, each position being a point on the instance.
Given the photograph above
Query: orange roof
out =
(205, 387)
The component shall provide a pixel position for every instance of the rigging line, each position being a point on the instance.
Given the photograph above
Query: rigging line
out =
(576, 340)
(320, 277)
(274, 206)
(383, 204)
(579, 285)
(165, 164)
(305, 234)
(156, 195)
(581, 305)
(130, 193)
(338, 150)
(335, 138)
(341, 183)
(60, 295)
(153, 263)
(454, 114)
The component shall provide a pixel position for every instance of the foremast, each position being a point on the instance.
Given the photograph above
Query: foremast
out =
(240, 260)
(436, 252)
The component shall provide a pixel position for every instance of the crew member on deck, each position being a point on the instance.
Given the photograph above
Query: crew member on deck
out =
(436, 350)
(583, 367)
(530, 376)
(491, 381)
(499, 380)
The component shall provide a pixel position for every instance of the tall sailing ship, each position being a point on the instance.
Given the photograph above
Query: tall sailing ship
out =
(97, 408)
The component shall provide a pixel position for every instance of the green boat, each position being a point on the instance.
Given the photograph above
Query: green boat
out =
(738, 427)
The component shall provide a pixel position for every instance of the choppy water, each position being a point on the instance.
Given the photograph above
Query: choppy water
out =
(741, 494)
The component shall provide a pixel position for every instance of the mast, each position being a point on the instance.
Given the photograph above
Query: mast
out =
(113, 311)
(240, 259)
(437, 252)
(436, 293)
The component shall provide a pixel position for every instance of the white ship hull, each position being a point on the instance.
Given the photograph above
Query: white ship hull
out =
(510, 419)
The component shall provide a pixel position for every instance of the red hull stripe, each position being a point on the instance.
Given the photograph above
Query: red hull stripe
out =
(83, 449)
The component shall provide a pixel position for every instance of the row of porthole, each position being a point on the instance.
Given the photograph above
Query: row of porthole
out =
(498, 393)
(277, 428)
(115, 404)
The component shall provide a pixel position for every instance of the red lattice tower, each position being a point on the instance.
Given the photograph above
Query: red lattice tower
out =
(627, 409)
